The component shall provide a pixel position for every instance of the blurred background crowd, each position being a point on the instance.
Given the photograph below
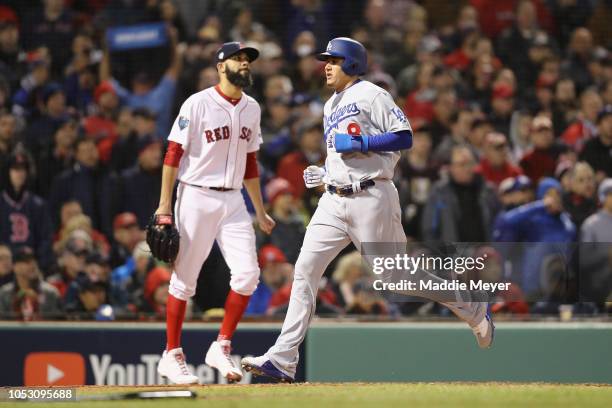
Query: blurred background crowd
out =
(510, 102)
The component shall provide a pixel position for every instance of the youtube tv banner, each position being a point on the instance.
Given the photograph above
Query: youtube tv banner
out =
(67, 354)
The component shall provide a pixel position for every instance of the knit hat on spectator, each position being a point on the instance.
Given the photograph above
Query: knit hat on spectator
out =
(50, 90)
(7, 17)
(277, 187)
(102, 88)
(145, 142)
(562, 168)
(604, 189)
(155, 278)
(145, 113)
(546, 184)
(607, 110)
(270, 253)
(125, 220)
(502, 91)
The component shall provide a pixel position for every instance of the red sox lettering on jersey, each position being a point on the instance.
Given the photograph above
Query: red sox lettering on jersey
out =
(216, 136)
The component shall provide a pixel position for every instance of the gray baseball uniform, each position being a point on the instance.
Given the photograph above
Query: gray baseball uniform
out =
(371, 215)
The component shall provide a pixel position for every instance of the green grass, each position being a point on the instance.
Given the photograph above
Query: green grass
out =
(355, 395)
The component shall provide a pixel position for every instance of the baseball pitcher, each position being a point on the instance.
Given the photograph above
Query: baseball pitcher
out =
(212, 152)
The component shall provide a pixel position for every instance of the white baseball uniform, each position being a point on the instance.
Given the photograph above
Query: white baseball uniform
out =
(215, 136)
(370, 215)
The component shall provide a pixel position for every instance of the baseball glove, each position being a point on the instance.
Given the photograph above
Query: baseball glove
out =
(163, 238)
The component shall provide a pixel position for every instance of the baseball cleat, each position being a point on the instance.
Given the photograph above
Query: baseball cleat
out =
(172, 366)
(218, 356)
(485, 332)
(261, 366)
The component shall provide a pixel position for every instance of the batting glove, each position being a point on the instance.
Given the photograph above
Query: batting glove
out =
(345, 143)
(313, 176)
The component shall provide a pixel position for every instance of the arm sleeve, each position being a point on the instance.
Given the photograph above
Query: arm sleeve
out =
(390, 142)
(122, 93)
(251, 170)
(185, 124)
(508, 225)
(173, 154)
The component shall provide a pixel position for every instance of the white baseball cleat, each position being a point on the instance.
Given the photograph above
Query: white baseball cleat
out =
(485, 332)
(218, 356)
(172, 366)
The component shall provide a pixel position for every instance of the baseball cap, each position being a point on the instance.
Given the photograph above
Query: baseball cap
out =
(270, 253)
(232, 48)
(102, 88)
(541, 123)
(125, 220)
(276, 187)
(604, 189)
(511, 184)
(502, 91)
(146, 141)
(50, 90)
(23, 254)
(607, 110)
(145, 113)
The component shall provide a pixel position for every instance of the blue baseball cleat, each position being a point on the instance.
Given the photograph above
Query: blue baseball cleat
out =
(261, 366)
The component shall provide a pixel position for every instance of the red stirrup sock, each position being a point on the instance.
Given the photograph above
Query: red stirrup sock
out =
(175, 314)
(235, 305)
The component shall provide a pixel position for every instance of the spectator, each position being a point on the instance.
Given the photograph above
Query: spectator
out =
(39, 134)
(145, 93)
(445, 106)
(565, 106)
(53, 26)
(58, 158)
(580, 54)
(461, 125)
(311, 152)
(26, 101)
(129, 279)
(502, 107)
(598, 150)
(87, 183)
(580, 201)
(125, 151)
(289, 231)
(80, 225)
(70, 261)
(460, 209)
(543, 221)
(541, 160)
(12, 68)
(595, 238)
(141, 184)
(585, 127)
(25, 220)
(102, 127)
(127, 234)
(156, 292)
(495, 165)
(90, 297)
(28, 297)
(274, 287)
(6, 265)
(414, 179)
(514, 192)
(8, 140)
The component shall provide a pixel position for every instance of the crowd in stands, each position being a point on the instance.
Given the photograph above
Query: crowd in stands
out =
(510, 103)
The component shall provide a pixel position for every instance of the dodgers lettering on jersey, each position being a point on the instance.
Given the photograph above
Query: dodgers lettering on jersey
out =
(216, 136)
(365, 109)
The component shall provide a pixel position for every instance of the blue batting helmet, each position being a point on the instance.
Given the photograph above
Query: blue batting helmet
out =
(353, 52)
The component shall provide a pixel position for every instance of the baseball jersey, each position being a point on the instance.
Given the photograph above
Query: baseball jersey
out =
(361, 109)
(216, 137)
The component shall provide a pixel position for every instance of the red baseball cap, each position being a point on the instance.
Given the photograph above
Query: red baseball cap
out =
(276, 187)
(270, 253)
(502, 91)
(102, 88)
(125, 220)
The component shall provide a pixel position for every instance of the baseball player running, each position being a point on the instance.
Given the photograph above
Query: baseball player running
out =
(212, 152)
(364, 131)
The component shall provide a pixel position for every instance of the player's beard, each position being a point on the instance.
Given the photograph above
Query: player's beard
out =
(239, 79)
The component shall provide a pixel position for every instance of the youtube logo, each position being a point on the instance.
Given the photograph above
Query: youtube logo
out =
(54, 368)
